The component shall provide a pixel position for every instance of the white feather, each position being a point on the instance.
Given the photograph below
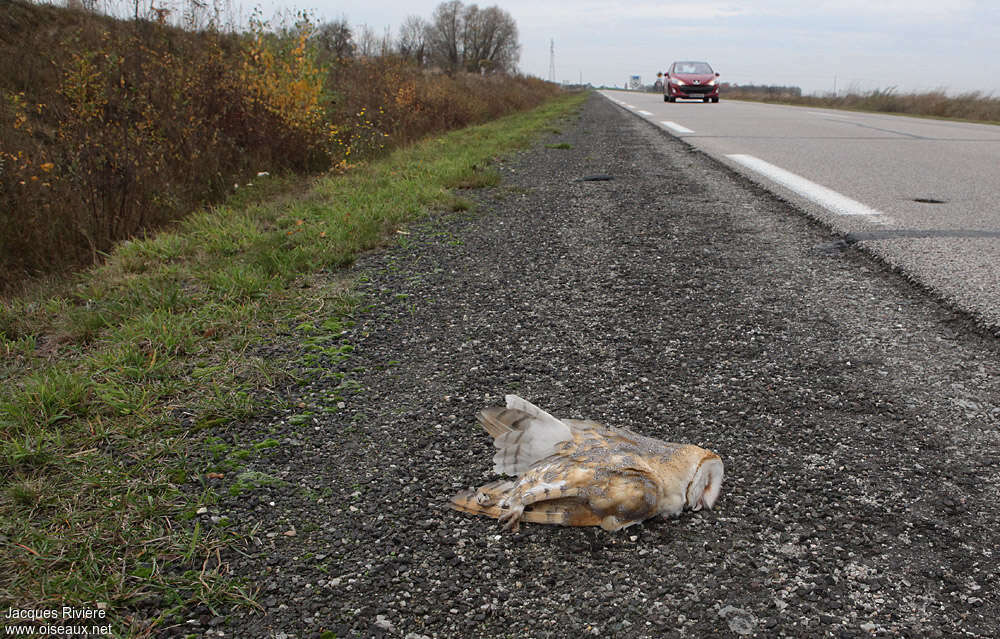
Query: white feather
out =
(534, 438)
(521, 404)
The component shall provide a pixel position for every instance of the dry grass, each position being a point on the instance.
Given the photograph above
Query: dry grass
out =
(111, 385)
(110, 128)
(973, 106)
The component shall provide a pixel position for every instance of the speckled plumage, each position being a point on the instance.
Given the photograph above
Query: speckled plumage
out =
(581, 473)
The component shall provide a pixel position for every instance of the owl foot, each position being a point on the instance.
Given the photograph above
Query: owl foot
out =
(511, 518)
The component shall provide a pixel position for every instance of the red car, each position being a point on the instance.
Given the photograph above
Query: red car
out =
(691, 81)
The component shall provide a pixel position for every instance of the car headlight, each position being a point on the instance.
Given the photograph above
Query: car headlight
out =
(711, 83)
(677, 81)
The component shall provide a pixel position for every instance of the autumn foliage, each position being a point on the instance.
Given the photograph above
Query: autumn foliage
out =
(109, 128)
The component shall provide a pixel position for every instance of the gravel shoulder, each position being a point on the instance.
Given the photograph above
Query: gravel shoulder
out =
(857, 418)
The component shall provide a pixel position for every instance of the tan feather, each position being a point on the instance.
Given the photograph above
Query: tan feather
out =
(583, 473)
(560, 512)
(522, 434)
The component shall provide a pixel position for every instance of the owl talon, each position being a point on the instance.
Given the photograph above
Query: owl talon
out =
(511, 519)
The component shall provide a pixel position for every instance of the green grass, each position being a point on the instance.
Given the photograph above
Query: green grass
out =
(113, 382)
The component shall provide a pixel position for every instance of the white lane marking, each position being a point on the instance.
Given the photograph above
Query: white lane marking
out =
(673, 126)
(645, 112)
(827, 198)
(630, 106)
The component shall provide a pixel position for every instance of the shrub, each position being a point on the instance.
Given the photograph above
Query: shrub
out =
(967, 106)
(122, 127)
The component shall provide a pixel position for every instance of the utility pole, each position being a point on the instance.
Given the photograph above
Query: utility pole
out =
(552, 60)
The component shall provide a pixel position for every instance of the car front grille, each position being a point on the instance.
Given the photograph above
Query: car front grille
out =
(696, 88)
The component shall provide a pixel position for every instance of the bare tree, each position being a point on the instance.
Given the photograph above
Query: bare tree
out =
(472, 39)
(195, 15)
(489, 40)
(412, 42)
(386, 46)
(367, 42)
(444, 34)
(334, 40)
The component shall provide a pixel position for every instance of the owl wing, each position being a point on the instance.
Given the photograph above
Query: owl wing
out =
(562, 490)
(522, 434)
(590, 433)
(568, 511)
(607, 487)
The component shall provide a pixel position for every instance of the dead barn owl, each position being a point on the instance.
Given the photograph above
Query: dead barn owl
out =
(580, 473)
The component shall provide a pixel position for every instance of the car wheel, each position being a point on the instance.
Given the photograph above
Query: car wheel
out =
(714, 100)
(666, 98)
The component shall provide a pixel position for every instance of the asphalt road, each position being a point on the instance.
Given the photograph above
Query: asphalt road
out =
(856, 417)
(921, 194)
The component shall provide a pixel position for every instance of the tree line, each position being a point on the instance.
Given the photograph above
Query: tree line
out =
(766, 89)
(457, 37)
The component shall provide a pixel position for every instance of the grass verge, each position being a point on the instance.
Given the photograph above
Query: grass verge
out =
(108, 384)
(968, 107)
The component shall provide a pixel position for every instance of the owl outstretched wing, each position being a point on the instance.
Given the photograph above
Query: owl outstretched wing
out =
(524, 434)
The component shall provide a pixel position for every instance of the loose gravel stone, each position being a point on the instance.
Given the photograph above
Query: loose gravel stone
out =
(857, 418)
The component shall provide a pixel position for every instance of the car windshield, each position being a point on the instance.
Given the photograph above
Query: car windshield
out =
(692, 67)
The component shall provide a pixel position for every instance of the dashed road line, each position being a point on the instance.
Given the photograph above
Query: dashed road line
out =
(673, 126)
(827, 198)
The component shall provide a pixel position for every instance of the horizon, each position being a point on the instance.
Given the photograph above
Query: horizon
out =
(911, 46)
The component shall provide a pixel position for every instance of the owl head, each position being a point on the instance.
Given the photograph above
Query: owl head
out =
(704, 487)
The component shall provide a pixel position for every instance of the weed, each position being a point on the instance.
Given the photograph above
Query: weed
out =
(135, 124)
(972, 106)
(27, 493)
(105, 425)
(250, 480)
(267, 443)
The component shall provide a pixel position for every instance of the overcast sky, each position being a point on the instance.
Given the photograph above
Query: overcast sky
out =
(913, 45)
